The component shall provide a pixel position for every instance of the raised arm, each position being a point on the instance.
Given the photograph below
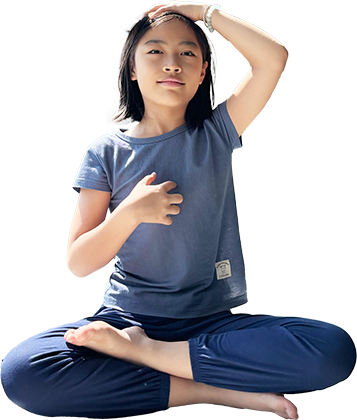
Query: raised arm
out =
(267, 58)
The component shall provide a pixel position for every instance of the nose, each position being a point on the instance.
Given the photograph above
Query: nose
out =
(172, 68)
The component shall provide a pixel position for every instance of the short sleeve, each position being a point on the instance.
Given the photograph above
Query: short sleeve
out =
(91, 173)
(225, 125)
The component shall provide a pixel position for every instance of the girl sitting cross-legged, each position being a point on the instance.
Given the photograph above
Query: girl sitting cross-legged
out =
(165, 335)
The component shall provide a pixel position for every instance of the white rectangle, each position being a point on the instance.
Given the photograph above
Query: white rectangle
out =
(43, 43)
(348, 86)
(309, 218)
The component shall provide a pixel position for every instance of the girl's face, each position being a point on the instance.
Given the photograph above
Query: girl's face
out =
(169, 50)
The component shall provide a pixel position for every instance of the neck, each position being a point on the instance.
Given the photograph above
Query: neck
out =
(160, 120)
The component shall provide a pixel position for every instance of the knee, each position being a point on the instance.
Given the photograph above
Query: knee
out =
(15, 376)
(339, 356)
(19, 380)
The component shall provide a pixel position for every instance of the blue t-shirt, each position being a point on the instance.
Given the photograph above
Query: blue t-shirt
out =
(193, 267)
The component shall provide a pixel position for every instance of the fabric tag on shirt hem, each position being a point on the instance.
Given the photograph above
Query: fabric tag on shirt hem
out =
(223, 269)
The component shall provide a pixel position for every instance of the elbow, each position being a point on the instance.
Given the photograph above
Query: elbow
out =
(76, 269)
(284, 58)
(286, 53)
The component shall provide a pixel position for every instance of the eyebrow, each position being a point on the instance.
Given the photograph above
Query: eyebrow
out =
(159, 41)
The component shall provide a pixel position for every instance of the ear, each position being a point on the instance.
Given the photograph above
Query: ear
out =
(203, 71)
(133, 75)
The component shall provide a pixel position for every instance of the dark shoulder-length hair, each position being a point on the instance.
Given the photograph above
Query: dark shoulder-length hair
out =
(131, 104)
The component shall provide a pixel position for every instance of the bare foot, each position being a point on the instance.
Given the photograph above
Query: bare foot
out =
(186, 392)
(126, 344)
(274, 403)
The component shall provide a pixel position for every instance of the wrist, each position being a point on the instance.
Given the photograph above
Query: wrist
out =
(205, 8)
(208, 14)
(129, 212)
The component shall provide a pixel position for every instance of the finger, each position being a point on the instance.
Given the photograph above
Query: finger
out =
(153, 9)
(150, 178)
(169, 185)
(175, 198)
(170, 220)
(174, 209)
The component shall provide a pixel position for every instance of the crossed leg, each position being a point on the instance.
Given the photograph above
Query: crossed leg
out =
(133, 345)
(225, 354)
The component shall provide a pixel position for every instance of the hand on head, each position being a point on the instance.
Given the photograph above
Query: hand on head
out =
(192, 10)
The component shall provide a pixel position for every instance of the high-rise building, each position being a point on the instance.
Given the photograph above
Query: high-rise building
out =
(27, 126)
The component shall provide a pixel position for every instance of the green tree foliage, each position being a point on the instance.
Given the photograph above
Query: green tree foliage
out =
(15, 281)
(13, 233)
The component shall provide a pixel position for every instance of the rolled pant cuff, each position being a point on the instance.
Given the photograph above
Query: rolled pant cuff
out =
(193, 344)
(164, 391)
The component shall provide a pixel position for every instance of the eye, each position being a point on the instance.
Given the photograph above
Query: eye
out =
(191, 54)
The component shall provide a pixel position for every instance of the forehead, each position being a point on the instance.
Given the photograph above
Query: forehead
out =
(174, 32)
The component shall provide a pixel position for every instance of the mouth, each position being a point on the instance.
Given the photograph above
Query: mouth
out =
(170, 83)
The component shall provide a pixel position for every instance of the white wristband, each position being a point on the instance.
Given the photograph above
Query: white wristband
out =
(207, 21)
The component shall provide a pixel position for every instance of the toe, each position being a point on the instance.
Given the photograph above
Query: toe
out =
(70, 336)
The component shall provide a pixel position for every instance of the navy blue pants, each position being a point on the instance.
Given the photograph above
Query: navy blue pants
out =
(253, 353)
